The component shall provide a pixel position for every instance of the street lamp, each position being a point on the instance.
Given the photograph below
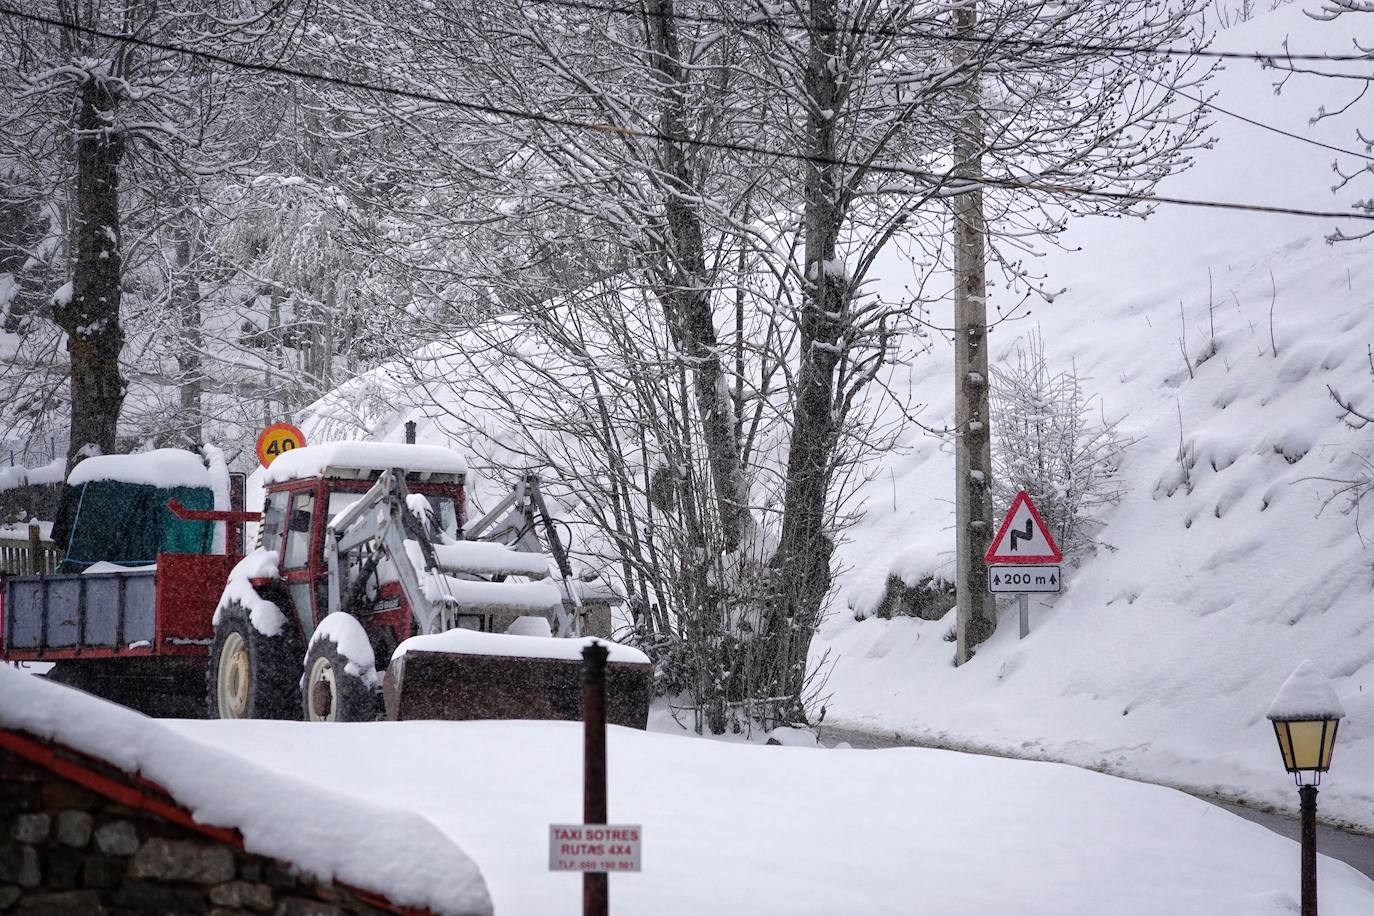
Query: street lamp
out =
(1305, 714)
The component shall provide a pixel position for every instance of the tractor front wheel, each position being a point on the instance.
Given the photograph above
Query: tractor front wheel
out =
(251, 675)
(331, 693)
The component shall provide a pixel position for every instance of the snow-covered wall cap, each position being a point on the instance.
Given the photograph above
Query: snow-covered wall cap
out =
(1307, 694)
(314, 460)
(161, 467)
(334, 837)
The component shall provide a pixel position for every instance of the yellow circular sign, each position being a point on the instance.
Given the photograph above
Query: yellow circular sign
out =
(276, 440)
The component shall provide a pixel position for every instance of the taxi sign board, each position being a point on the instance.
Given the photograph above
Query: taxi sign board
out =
(595, 847)
(276, 440)
(1023, 536)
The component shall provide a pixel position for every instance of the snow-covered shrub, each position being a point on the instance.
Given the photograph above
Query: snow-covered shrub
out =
(1052, 440)
(929, 599)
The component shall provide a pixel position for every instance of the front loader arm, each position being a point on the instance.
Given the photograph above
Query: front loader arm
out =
(380, 518)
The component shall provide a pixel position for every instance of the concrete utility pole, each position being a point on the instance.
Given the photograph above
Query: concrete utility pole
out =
(973, 450)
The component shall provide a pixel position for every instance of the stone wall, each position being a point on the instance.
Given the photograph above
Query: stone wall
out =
(67, 851)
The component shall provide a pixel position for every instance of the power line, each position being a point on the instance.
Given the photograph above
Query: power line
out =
(1253, 122)
(931, 178)
(766, 20)
(754, 22)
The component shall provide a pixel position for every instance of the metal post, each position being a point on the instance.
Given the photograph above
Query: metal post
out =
(36, 564)
(410, 432)
(595, 885)
(1308, 795)
(1023, 605)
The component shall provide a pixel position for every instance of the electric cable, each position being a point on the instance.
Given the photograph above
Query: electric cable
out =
(935, 180)
(754, 22)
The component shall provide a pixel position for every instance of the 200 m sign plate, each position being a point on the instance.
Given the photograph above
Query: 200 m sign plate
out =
(1021, 578)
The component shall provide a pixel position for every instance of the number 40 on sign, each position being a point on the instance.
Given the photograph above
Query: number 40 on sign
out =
(276, 440)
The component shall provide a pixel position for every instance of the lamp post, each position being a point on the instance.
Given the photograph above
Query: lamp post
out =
(1305, 714)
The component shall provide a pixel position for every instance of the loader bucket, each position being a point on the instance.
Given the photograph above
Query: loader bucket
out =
(456, 685)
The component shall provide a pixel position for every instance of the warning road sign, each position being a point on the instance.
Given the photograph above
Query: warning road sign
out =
(1023, 537)
(1022, 578)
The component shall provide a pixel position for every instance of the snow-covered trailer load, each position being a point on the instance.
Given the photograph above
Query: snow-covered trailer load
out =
(362, 546)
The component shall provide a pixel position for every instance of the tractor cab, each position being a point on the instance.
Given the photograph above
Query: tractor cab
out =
(306, 489)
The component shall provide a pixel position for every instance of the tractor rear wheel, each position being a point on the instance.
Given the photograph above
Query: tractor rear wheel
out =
(330, 693)
(251, 675)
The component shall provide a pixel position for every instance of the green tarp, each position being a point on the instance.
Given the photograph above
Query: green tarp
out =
(128, 523)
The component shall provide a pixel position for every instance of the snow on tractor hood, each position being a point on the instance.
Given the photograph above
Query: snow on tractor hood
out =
(321, 460)
(332, 836)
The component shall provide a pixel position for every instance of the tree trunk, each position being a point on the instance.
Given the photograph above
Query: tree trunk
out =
(977, 616)
(801, 565)
(90, 317)
(190, 341)
(687, 295)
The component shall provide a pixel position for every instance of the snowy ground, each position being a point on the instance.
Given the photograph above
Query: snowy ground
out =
(1164, 651)
(390, 850)
(748, 829)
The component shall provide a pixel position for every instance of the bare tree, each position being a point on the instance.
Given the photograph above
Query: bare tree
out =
(1055, 442)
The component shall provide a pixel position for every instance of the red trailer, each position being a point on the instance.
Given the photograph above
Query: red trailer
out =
(123, 617)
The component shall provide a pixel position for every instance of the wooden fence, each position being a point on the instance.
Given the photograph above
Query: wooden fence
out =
(19, 557)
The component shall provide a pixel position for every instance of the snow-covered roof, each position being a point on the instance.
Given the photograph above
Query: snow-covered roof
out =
(161, 467)
(338, 458)
(400, 854)
(475, 642)
(1307, 694)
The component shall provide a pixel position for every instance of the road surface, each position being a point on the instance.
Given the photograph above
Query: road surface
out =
(1355, 849)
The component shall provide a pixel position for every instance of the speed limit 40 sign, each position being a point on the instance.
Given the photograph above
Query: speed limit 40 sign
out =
(276, 440)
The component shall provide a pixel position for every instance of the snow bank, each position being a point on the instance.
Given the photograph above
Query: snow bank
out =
(161, 467)
(747, 829)
(1307, 694)
(530, 626)
(19, 476)
(474, 642)
(314, 460)
(331, 834)
(21, 530)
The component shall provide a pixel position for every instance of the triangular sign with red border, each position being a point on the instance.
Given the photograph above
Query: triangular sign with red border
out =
(1023, 537)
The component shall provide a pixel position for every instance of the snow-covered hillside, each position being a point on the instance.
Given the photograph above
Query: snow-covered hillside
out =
(1161, 655)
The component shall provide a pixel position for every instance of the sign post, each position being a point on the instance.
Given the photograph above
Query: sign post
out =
(594, 847)
(595, 885)
(1019, 556)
